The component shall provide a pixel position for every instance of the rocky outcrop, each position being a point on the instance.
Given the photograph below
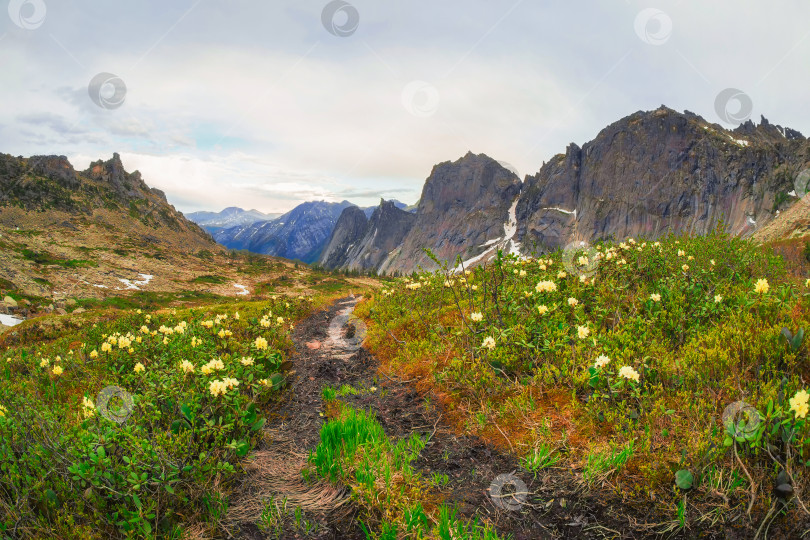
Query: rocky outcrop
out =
(357, 244)
(661, 171)
(348, 232)
(300, 234)
(464, 205)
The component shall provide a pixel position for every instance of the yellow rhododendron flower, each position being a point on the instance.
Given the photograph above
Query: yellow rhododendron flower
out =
(57, 370)
(489, 343)
(217, 388)
(542, 310)
(261, 343)
(718, 299)
(106, 347)
(583, 332)
(546, 286)
(477, 317)
(685, 267)
(628, 373)
(44, 362)
(762, 286)
(94, 354)
(655, 297)
(602, 361)
(139, 368)
(88, 407)
(247, 361)
(187, 366)
(573, 302)
(798, 404)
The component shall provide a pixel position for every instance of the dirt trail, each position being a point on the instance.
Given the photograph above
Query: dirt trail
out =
(329, 352)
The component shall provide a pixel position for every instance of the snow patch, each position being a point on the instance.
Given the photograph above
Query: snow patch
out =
(243, 291)
(792, 193)
(490, 242)
(751, 220)
(507, 243)
(8, 320)
(741, 142)
(136, 284)
(569, 212)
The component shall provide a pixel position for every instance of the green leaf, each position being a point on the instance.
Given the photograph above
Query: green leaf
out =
(684, 479)
(169, 488)
(258, 425)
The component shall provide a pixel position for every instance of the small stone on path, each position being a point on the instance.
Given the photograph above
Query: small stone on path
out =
(313, 345)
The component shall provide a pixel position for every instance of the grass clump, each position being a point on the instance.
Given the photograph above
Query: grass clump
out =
(396, 501)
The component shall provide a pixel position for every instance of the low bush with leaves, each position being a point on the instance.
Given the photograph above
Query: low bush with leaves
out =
(630, 362)
(137, 427)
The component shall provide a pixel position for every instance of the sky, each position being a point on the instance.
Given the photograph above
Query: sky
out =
(267, 104)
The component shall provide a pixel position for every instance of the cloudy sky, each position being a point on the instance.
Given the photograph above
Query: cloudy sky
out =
(266, 104)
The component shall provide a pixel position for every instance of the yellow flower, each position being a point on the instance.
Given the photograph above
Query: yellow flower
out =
(807, 283)
(236, 315)
(681, 253)
(523, 273)
(206, 369)
(628, 373)
(217, 388)
(655, 297)
(221, 333)
(762, 286)
(718, 299)
(542, 267)
(44, 363)
(561, 275)
(573, 302)
(57, 370)
(229, 382)
(247, 361)
(207, 324)
(798, 404)
(88, 407)
(475, 287)
(106, 347)
(583, 332)
(477, 317)
(144, 329)
(602, 361)
(542, 310)
(685, 267)
(94, 354)
(712, 262)
(489, 343)
(546, 286)
(3, 410)
(373, 388)
(139, 368)
(280, 320)
(261, 343)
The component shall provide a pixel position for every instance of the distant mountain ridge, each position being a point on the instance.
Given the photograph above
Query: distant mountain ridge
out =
(302, 233)
(229, 217)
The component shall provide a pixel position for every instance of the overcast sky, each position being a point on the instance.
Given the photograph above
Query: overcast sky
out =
(266, 104)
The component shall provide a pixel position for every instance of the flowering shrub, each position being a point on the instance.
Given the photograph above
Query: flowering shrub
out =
(645, 352)
(195, 378)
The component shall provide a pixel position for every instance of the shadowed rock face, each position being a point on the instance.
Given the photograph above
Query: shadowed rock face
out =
(349, 231)
(357, 244)
(660, 171)
(464, 204)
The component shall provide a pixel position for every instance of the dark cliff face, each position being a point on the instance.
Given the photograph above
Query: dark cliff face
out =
(660, 171)
(299, 234)
(357, 244)
(464, 204)
(349, 230)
